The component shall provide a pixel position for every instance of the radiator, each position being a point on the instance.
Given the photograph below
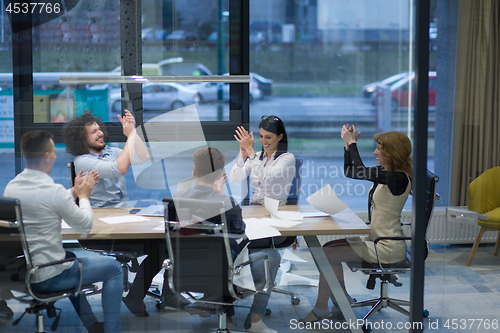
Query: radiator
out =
(439, 231)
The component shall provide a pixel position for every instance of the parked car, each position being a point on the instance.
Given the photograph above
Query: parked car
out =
(400, 92)
(265, 85)
(147, 33)
(181, 35)
(263, 31)
(368, 89)
(160, 97)
(208, 91)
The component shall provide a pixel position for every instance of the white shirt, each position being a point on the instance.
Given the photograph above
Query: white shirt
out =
(43, 205)
(272, 180)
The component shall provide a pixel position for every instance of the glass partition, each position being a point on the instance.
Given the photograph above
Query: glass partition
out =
(330, 63)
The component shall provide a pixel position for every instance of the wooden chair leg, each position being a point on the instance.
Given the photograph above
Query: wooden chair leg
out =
(497, 245)
(476, 244)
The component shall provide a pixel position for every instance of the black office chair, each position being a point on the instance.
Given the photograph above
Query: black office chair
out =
(127, 259)
(13, 238)
(387, 272)
(200, 260)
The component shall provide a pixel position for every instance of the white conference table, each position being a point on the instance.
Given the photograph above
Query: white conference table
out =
(311, 227)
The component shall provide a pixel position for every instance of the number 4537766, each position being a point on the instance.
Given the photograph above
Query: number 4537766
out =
(33, 7)
(455, 324)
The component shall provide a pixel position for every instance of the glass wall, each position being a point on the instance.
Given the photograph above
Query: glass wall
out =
(7, 165)
(317, 64)
(333, 63)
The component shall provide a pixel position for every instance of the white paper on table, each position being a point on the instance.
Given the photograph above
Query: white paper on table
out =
(123, 219)
(288, 255)
(272, 207)
(314, 214)
(326, 201)
(244, 279)
(290, 279)
(346, 216)
(278, 223)
(65, 225)
(285, 266)
(257, 230)
(153, 210)
(161, 227)
(284, 215)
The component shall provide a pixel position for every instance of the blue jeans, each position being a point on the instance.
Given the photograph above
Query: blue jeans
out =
(260, 300)
(95, 269)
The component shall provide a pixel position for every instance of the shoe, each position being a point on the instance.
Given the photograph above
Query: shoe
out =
(5, 310)
(260, 327)
(137, 308)
(96, 327)
(311, 317)
(175, 301)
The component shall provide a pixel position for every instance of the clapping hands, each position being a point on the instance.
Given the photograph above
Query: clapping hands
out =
(84, 184)
(219, 183)
(349, 135)
(128, 123)
(245, 140)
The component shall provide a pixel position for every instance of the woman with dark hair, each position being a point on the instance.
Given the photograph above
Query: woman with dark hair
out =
(272, 169)
(386, 198)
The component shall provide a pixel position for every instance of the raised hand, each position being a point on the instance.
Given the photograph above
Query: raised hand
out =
(219, 183)
(128, 123)
(245, 140)
(349, 135)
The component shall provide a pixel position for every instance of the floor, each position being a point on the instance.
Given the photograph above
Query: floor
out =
(459, 299)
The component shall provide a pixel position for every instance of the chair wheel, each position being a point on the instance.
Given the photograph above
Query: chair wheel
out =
(366, 329)
(268, 311)
(295, 301)
(15, 277)
(426, 313)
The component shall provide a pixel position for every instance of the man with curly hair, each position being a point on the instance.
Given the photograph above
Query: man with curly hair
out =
(84, 138)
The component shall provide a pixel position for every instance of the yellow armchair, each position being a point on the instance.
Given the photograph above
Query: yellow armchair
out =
(484, 198)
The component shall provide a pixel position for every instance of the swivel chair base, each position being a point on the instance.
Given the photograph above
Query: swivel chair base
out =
(383, 301)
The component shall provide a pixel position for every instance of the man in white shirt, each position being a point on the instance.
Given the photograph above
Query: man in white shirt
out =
(43, 205)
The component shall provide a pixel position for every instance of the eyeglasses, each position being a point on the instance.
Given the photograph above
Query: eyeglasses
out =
(271, 119)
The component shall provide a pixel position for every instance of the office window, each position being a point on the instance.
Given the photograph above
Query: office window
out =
(331, 63)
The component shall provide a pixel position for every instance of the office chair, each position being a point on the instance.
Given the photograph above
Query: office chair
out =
(199, 256)
(106, 247)
(13, 237)
(484, 198)
(387, 272)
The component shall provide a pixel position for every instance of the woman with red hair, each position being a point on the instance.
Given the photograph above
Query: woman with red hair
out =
(391, 186)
